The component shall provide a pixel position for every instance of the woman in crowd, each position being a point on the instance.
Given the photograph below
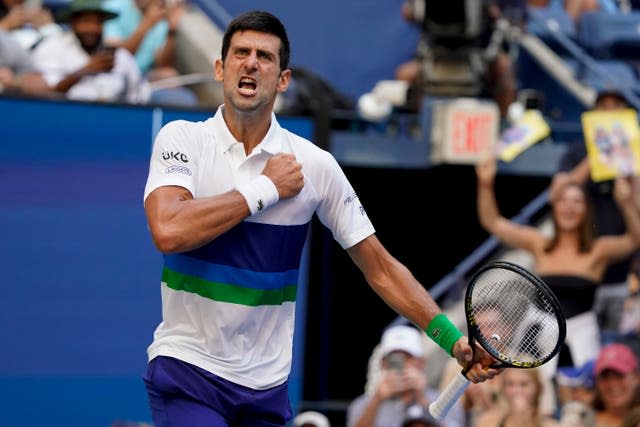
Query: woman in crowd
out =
(571, 261)
(617, 385)
(520, 402)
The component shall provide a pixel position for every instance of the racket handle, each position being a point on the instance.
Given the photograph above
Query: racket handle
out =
(440, 407)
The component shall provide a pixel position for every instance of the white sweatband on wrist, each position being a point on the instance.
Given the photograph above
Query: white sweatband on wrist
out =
(260, 193)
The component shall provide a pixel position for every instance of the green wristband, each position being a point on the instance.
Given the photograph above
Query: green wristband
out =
(443, 332)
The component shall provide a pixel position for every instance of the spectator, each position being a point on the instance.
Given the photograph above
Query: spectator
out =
(575, 390)
(575, 8)
(17, 72)
(617, 384)
(575, 384)
(148, 29)
(419, 416)
(608, 219)
(571, 261)
(630, 320)
(521, 395)
(396, 380)
(29, 25)
(577, 414)
(77, 63)
(311, 419)
(480, 398)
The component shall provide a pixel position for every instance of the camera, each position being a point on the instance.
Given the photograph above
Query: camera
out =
(396, 361)
(107, 49)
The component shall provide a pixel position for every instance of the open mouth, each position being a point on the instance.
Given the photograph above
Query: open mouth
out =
(247, 85)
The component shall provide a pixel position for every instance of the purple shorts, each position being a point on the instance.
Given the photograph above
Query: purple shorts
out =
(181, 394)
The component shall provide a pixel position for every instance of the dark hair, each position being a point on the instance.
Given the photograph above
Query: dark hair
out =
(611, 93)
(259, 21)
(632, 419)
(4, 9)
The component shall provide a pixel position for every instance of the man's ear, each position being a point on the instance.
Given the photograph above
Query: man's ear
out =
(218, 69)
(283, 80)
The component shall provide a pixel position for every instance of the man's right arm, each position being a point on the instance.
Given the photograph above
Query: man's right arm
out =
(101, 61)
(179, 222)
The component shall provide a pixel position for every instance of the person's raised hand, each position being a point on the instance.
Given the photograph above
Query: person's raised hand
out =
(622, 189)
(101, 61)
(391, 384)
(154, 12)
(486, 169)
(175, 12)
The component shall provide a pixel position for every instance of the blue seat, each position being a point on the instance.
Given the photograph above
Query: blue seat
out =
(605, 73)
(610, 73)
(610, 35)
(543, 21)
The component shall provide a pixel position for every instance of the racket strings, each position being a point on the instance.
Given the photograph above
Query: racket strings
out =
(514, 318)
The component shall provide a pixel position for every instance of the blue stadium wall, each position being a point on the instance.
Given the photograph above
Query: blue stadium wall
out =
(80, 275)
(351, 44)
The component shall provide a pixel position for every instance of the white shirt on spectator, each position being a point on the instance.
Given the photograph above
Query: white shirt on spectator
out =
(60, 55)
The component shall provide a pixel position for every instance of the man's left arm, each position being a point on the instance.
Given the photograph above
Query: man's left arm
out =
(397, 286)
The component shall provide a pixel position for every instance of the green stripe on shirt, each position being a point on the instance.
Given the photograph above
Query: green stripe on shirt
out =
(225, 292)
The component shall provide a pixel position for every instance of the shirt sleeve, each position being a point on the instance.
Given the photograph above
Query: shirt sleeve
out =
(18, 58)
(340, 209)
(173, 158)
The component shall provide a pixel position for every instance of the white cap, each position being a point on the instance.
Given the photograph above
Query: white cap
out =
(373, 108)
(405, 338)
(311, 417)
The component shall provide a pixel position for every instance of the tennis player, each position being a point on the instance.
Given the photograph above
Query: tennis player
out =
(228, 202)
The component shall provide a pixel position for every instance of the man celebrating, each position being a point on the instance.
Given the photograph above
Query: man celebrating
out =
(228, 202)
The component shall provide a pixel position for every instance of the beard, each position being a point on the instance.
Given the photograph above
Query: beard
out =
(90, 42)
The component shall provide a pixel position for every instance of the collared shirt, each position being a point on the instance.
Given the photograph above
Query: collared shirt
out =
(229, 306)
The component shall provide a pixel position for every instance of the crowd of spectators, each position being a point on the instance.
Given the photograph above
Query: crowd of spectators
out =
(90, 50)
(111, 51)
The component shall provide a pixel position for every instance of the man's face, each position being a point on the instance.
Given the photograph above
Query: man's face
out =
(251, 72)
(88, 29)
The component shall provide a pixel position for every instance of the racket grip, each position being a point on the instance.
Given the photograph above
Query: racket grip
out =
(440, 407)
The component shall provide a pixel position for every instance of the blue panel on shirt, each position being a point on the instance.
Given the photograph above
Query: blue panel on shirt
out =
(256, 247)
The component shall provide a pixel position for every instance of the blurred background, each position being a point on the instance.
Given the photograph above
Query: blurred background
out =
(81, 277)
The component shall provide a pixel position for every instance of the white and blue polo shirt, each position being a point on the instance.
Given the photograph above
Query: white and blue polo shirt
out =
(229, 306)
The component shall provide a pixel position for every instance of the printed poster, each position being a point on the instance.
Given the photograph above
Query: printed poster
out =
(612, 140)
(529, 129)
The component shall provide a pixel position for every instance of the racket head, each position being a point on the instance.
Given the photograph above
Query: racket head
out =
(513, 315)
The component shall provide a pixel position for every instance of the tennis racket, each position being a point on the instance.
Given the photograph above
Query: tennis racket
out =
(514, 316)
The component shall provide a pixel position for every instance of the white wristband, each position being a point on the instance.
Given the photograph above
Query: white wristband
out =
(260, 193)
